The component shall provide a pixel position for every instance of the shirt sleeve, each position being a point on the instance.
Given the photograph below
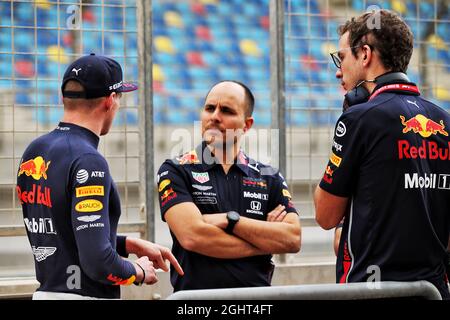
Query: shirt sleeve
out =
(172, 186)
(343, 165)
(91, 223)
(121, 246)
(281, 194)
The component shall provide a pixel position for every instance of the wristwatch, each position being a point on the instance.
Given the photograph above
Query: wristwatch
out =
(233, 218)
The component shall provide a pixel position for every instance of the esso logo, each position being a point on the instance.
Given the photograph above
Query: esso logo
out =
(340, 129)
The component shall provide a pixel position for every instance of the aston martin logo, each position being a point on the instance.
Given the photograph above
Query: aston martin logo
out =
(42, 253)
(89, 218)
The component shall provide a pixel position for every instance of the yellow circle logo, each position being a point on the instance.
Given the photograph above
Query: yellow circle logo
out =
(163, 184)
(89, 205)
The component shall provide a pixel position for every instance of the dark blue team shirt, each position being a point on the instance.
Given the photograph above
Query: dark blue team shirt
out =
(250, 188)
(71, 210)
(391, 157)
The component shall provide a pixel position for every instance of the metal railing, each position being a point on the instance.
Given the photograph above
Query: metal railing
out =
(348, 291)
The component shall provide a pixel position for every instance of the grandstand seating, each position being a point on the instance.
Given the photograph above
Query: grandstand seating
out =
(196, 44)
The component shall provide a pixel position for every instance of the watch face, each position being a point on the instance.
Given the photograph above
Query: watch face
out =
(233, 215)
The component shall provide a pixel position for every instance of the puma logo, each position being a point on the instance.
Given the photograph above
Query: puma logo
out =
(76, 71)
(414, 103)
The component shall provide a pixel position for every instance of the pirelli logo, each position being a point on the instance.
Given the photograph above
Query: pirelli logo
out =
(89, 191)
(335, 160)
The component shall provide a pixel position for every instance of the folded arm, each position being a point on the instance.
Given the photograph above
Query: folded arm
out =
(276, 236)
(194, 234)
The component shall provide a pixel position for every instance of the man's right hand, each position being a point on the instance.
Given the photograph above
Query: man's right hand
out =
(156, 253)
(150, 273)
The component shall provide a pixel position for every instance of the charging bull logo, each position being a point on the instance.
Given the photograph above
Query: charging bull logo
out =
(117, 281)
(167, 195)
(189, 158)
(423, 126)
(36, 168)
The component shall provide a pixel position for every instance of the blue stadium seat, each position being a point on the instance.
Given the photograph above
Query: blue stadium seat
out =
(298, 118)
(126, 117)
(175, 117)
(258, 74)
(175, 73)
(192, 104)
(262, 117)
(263, 104)
(49, 115)
(42, 68)
(22, 98)
(7, 68)
(201, 86)
(5, 12)
(43, 98)
(259, 85)
(23, 14)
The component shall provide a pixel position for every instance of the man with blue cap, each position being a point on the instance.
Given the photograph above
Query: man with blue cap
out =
(70, 204)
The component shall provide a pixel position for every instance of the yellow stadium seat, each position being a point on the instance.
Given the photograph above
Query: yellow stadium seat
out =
(57, 54)
(209, 1)
(158, 74)
(327, 48)
(399, 6)
(250, 48)
(173, 19)
(164, 44)
(441, 93)
(43, 4)
(437, 42)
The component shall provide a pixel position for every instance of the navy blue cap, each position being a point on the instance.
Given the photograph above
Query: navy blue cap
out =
(99, 76)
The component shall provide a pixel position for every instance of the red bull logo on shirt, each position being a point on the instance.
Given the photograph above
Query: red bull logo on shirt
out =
(255, 182)
(37, 195)
(36, 168)
(163, 184)
(117, 281)
(168, 195)
(327, 176)
(423, 126)
(188, 158)
(287, 194)
(427, 150)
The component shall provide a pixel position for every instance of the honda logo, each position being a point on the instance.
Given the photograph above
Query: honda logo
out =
(255, 205)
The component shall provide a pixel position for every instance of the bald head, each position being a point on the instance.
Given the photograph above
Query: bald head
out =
(238, 91)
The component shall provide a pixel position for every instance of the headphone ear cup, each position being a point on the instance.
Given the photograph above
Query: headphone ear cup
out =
(356, 96)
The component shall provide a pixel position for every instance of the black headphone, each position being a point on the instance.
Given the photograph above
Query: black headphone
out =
(359, 94)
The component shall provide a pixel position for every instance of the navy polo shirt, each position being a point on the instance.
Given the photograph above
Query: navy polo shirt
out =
(71, 210)
(391, 157)
(250, 188)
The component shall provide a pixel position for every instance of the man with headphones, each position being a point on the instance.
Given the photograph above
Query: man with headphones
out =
(388, 176)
